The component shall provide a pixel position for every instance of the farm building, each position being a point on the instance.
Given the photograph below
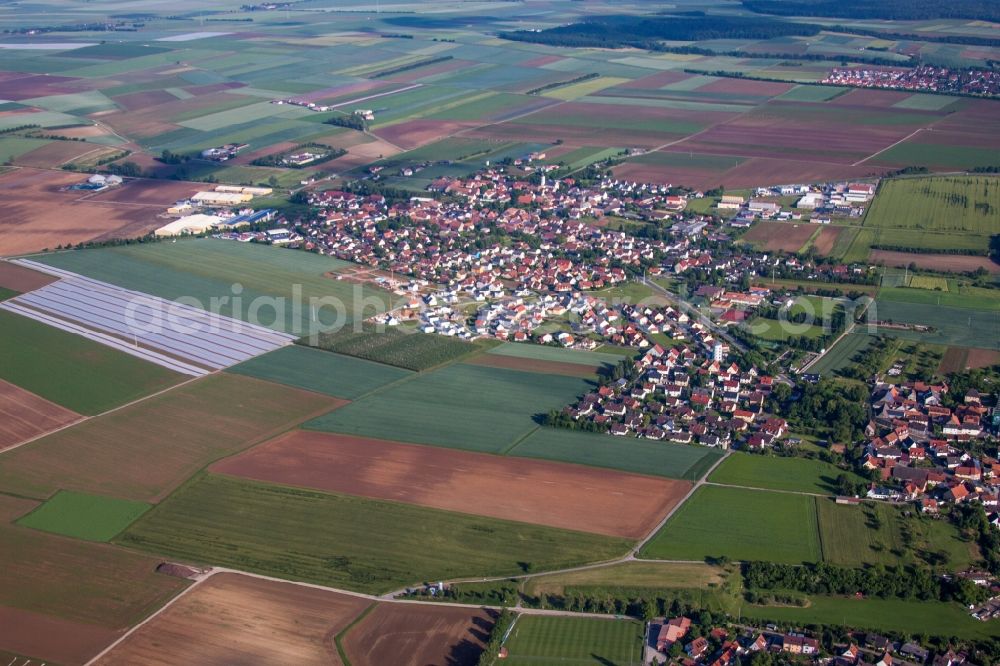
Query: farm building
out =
(730, 202)
(243, 189)
(221, 198)
(190, 224)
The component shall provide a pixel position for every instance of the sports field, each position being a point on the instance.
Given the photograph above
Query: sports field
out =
(879, 533)
(459, 406)
(779, 473)
(576, 641)
(265, 285)
(320, 371)
(147, 449)
(348, 542)
(741, 525)
(936, 213)
(72, 371)
(676, 461)
(91, 517)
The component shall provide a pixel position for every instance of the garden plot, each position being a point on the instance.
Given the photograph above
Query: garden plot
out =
(179, 337)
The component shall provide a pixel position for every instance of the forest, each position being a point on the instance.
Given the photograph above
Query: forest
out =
(895, 10)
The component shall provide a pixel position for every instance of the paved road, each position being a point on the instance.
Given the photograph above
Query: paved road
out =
(692, 311)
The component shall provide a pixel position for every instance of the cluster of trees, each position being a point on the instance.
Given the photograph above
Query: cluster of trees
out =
(560, 84)
(646, 32)
(973, 519)
(491, 653)
(278, 159)
(413, 65)
(877, 581)
(352, 121)
(170, 157)
(893, 10)
(923, 250)
(869, 361)
(840, 411)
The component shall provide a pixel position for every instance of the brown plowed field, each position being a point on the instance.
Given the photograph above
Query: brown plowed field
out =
(413, 133)
(412, 635)
(57, 153)
(780, 236)
(761, 171)
(533, 365)
(953, 263)
(22, 279)
(747, 87)
(877, 98)
(37, 214)
(146, 98)
(24, 415)
(982, 358)
(235, 619)
(50, 638)
(534, 491)
(827, 238)
(149, 193)
(16, 86)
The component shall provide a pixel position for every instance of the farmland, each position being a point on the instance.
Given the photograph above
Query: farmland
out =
(842, 354)
(966, 327)
(238, 619)
(559, 640)
(775, 473)
(84, 516)
(557, 495)
(71, 371)
(245, 281)
(146, 449)
(780, 236)
(24, 415)
(459, 406)
(740, 524)
(936, 213)
(632, 576)
(392, 346)
(320, 371)
(365, 545)
(414, 636)
(877, 533)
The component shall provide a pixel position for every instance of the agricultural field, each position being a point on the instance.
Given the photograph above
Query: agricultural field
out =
(549, 641)
(630, 576)
(365, 545)
(391, 346)
(71, 371)
(943, 213)
(780, 236)
(778, 473)
(842, 354)
(742, 525)
(546, 493)
(879, 533)
(459, 406)
(963, 327)
(320, 371)
(238, 619)
(245, 281)
(144, 450)
(417, 635)
(779, 331)
(676, 461)
(24, 416)
(90, 517)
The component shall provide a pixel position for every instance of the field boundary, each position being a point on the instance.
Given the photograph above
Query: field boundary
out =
(343, 633)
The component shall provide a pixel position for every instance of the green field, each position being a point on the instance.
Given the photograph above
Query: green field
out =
(547, 353)
(629, 576)
(933, 618)
(962, 327)
(643, 456)
(741, 525)
(348, 542)
(72, 371)
(840, 355)
(779, 473)
(779, 331)
(258, 283)
(392, 346)
(459, 406)
(880, 533)
(936, 213)
(320, 371)
(90, 517)
(551, 641)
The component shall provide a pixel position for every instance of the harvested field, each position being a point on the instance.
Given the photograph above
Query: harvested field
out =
(146, 98)
(949, 263)
(954, 360)
(51, 638)
(531, 365)
(28, 86)
(876, 98)
(235, 619)
(147, 449)
(546, 493)
(38, 215)
(21, 278)
(149, 192)
(408, 635)
(827, 239)
(24, 415)
(746, 87)
(780, 236)
(413, 133)
(982, 358)
(57, 153)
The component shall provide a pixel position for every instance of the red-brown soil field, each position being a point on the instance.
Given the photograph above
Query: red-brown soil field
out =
(760, 171)
(534, 491)
(413, 133)
(780, 236)
(54, 639)
(16, 86)
(982, 358)
(235, 619)
(145, 450)
(827, 238)
(38, 214)
(156, 193)
(533, 365)
(146, 98)
(57, 153)
(22, 279)
(24, 415)
(418, 635)
(954, 263)
(747, 87)
(877, 98)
